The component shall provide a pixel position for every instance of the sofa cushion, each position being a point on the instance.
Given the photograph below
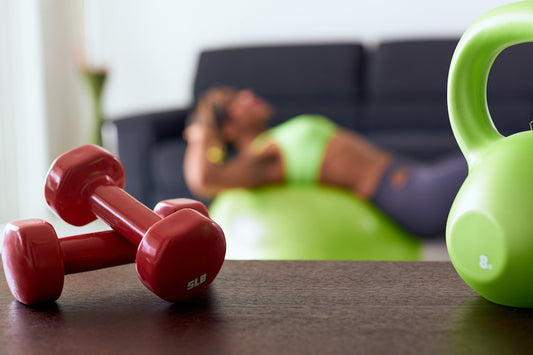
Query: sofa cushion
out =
(424, 146)
(512, 73)
(322, 79)
(416, 68)
(510, 89)
(408, 90)
(407, 85)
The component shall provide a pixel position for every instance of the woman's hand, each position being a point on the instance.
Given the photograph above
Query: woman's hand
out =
(197, 132)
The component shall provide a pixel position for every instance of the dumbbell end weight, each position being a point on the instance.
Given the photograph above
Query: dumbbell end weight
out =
(72, 178)
(181, 255)
(32, 261)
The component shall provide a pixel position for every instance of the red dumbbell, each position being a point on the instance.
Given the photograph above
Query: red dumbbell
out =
(177, 256)
(35, 260)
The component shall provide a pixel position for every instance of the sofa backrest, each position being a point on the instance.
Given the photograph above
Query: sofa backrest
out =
(394, 94)
(406, 100)
(407, 84)
(322, 79)
(407, 91)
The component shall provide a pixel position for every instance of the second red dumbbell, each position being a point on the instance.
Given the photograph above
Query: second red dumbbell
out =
(35, 260)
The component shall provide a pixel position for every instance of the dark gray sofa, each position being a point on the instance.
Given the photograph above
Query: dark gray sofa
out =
(393, 93)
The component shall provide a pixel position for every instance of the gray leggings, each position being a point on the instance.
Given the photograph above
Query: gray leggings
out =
(422, 204)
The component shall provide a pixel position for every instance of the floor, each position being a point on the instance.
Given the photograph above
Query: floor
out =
(435, 250)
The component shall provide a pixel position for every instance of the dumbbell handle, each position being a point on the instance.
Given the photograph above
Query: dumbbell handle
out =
(105, 249)
(122, 212)
(94, 251)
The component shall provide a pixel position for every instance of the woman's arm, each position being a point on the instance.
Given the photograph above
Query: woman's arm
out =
(206, 178)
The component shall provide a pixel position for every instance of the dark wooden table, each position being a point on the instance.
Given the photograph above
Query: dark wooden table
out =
(272, 307)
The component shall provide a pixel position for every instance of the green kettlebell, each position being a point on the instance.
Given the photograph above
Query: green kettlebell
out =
(489, 233)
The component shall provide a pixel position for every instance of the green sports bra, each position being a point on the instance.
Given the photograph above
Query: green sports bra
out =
(303, 141)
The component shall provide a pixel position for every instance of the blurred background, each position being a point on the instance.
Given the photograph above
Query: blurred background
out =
(148, 51)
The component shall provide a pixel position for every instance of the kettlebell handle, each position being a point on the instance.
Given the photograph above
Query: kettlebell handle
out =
(496, 30)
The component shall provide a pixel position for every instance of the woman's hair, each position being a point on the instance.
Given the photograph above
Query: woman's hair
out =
(212, 106)
(220, 113)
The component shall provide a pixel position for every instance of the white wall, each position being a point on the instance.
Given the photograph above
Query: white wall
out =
(68, 113)
(151, 47)
(23, 130)
(43, 101)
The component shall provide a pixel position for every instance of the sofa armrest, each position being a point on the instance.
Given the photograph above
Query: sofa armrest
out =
(137, 136)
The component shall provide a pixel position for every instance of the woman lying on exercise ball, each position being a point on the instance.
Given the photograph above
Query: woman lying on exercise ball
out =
(310, 149)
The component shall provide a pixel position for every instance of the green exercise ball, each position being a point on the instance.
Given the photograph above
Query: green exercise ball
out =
(308, 223)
